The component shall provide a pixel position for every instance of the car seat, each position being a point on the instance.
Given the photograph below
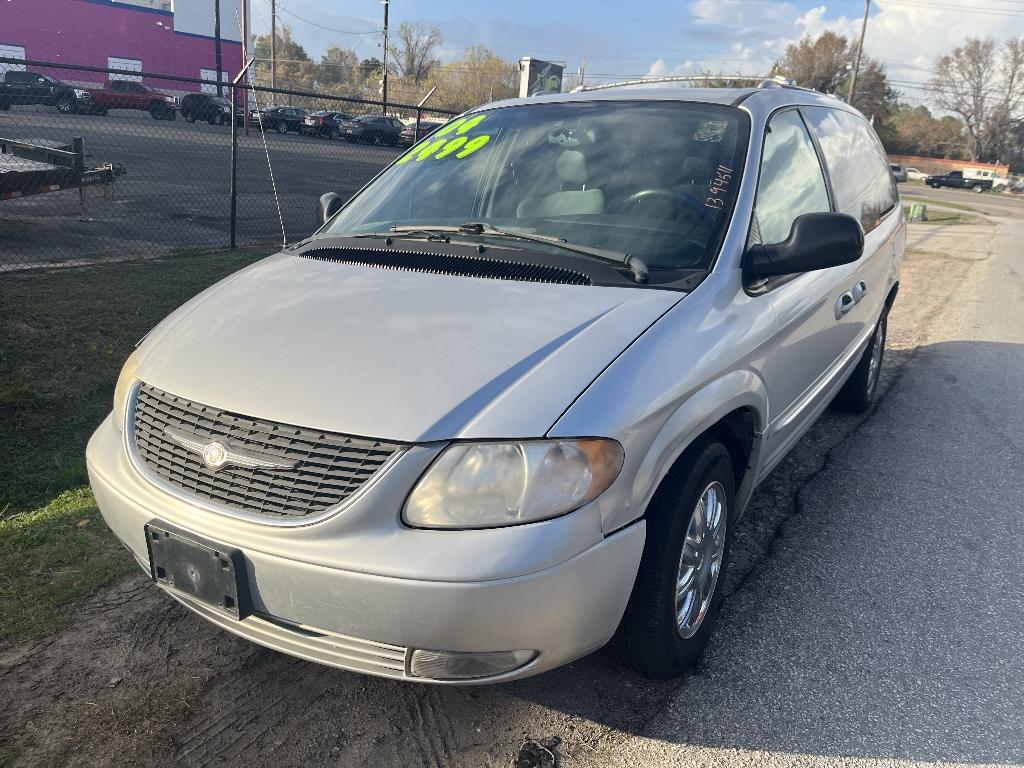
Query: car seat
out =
(571, 168)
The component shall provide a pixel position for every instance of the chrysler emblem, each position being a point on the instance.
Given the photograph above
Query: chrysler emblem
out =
(217, 454)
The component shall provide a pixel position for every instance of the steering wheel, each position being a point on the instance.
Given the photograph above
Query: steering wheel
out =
(680, 201)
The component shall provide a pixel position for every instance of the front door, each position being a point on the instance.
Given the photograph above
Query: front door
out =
(810, 334)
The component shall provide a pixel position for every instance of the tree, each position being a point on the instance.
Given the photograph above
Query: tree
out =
(339, 71)
(294, 67)
(414, 55)
(825, 64)
(478, 77)
(984, 88)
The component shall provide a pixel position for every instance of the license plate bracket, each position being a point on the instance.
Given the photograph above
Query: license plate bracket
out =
(205, 571)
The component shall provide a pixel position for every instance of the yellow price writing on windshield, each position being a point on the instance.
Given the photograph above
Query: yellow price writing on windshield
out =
(438, 146)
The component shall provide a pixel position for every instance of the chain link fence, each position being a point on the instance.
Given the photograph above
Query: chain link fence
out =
(108, 164)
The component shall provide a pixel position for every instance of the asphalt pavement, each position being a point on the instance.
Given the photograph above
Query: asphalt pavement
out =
(175, 194)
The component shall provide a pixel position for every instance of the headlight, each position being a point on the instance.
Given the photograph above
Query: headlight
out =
(124, 385)
(483, 485)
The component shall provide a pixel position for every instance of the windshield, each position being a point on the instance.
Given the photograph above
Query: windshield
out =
(654, 179)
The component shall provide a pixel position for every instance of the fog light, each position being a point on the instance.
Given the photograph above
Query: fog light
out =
(449, 665)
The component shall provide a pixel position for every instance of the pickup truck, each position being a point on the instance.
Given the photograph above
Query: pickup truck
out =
(958, 180)
(22, 87)
(128, 94)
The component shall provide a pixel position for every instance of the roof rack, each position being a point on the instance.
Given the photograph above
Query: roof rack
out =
(668, 79)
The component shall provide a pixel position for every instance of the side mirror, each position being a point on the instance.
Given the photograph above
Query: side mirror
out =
(816, 241)
(329, 205)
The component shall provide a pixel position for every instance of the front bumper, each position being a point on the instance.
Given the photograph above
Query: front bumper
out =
(371, 623)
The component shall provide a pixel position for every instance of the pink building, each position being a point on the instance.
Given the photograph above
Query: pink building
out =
(174, 37)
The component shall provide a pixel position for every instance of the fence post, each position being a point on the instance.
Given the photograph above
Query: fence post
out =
(419, 116)
(234, 166)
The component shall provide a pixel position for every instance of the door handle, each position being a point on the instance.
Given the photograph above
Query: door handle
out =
(844, 304)
(859, 290)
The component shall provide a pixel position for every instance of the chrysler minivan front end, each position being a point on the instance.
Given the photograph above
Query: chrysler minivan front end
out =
(345, 451)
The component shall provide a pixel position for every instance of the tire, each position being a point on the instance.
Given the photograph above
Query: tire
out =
(100, 111)
(282, 127)
(650, 639)
(156, 110)
(66, 105)
(334, 134)
(4, 106)
(978, 188)
(213, 120)
(860, 390)
(189, 117)
(171, 114)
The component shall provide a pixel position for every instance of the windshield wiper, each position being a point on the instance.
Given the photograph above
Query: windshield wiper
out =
(633, 263)
(440, 232)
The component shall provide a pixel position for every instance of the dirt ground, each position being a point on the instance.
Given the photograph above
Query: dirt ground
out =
(137, 680)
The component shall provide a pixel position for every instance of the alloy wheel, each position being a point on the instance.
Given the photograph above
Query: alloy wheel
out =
(701, 560)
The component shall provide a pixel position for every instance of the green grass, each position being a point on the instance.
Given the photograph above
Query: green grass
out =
(51, 557)
(943, 203)
(63, 338)
(944, 217)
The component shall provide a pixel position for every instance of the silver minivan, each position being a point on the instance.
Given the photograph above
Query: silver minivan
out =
(505, 407)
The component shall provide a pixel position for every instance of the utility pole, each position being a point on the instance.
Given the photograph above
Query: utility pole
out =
(860, 48)
(273, 43)
(216, 44)
(384, 77)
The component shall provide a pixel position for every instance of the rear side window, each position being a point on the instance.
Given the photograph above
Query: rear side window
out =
(791, 181)
(857, 165)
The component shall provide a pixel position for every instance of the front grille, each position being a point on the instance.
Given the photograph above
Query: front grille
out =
(329, 467)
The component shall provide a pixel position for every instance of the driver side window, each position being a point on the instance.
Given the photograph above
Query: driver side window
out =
(791, 181)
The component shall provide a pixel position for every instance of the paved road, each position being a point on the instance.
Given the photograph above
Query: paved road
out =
(176, 191)
(989, 203)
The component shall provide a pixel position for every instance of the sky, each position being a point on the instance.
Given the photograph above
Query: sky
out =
(622, 39)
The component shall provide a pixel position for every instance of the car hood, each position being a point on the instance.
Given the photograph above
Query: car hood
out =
(393, 354)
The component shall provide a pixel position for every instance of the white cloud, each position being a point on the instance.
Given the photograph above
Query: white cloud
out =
(905, 38)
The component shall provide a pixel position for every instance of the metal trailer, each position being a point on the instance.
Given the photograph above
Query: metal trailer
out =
(33, 169)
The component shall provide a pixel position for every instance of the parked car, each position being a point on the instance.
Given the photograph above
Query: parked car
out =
(915, 175)
(427, 127)
(129, 94)
(899, 172)
(280, 119)
(372, 129)
(23, 87)
(957, 180)
(216, 110)
(324, 123)
(509, 402)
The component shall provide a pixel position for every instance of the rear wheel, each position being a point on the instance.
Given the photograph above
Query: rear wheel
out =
(978, 188)
(334, 134)
(858, 393)
(156, 110)
(674, 605)
(101, 111)
(282, 127)
(189, 117)
(66, 105)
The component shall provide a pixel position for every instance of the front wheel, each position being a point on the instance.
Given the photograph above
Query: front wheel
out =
(282, 127)
(66, 106)
(672, 611)
(858, 393)
(189, 117)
